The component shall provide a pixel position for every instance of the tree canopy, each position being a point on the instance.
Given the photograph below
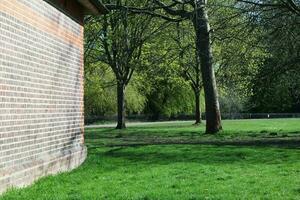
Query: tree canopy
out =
(243, 54)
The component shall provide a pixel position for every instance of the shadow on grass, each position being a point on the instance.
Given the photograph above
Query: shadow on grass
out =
(142, 131)
(204, 155)
(276, 142)
(168, 144)
(186, 131)
(96, 140)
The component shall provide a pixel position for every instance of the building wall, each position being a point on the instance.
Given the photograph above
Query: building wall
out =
(41, 92)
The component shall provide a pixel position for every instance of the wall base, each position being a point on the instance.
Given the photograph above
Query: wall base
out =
(26, 173)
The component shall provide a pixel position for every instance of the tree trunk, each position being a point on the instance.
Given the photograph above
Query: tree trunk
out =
(197, 108)
(121, 105)
(203, 45)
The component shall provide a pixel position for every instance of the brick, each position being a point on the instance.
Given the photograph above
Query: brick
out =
(41, 92)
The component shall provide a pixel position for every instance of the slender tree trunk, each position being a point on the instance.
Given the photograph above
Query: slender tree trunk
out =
(197, 108)
(121, 105)
(203, 45)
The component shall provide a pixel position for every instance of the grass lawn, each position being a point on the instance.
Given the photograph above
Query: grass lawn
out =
(170, 161)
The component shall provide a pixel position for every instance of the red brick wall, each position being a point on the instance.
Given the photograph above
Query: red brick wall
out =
(41, 92)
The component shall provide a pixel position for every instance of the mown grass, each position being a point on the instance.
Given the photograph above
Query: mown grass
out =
(232, 129)
(180, 171)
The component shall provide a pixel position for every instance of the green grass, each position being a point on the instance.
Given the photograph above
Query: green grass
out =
(180, 171)
(233, 129)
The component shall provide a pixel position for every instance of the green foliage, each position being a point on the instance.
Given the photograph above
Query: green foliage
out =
(101, 92)
(157, 87)
(238, 54)
(167, 92)
(256, 54)
(113, 48)
(256, 59)
(276, 86)
(276, 93)
(135, 99)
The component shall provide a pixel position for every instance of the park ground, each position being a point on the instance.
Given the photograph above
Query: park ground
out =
(250, 159)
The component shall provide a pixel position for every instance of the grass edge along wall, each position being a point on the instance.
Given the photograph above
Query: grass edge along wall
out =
(41, 88)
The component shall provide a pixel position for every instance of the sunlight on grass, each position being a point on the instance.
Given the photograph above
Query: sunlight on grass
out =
(178, 171)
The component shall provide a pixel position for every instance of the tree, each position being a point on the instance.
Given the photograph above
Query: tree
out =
(238, 52)
(276, 84)
(190, 64)
(291, 6)
(117, 40)
(196, 12)
(101, 93)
